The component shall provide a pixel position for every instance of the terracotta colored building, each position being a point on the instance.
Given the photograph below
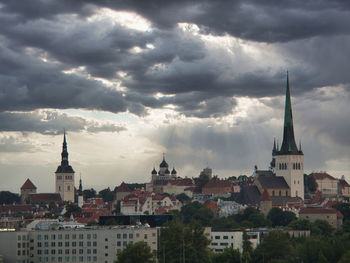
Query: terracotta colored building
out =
(218, 187)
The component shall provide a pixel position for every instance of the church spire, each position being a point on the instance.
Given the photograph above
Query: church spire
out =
(64, 167)
(288, 144)
(64, 153)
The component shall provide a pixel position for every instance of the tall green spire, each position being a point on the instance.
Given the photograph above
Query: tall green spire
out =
(288, 144)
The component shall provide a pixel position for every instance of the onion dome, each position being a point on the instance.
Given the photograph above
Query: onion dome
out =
(173, 172)
(163, 164)
(154, 171)
(167, 171)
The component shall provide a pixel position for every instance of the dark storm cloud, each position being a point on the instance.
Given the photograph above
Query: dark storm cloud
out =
(177, 63)
(51, 122)
(258, 20)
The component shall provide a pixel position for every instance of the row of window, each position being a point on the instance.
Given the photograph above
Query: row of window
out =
(67, 244)
(221, 244)
(67, 177)
(68, 259)
(66, 236)
(66, 251)
(284, 166)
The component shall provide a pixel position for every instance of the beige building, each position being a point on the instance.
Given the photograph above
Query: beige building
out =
(326, 184)
(64, 176)
(332, 216)
(221, 239)
(72, 244)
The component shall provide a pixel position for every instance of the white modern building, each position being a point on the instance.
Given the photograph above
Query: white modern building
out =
(98, 244)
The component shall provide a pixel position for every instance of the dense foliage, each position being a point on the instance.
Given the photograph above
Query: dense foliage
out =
(136, 253)
(7, 197)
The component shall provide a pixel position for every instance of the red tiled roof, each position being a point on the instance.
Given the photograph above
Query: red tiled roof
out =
(44, 197)
(218, 183)
(123, 188)
(339, 214)
(182, 182)
(211, 204)
(15, 208)
(308, 210)
(28, 185)
(321, 176)
(265, 196)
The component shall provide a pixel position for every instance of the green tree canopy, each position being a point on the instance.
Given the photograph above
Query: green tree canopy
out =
(309, 184)
(275, 246)
(89, 193)
(279, 217)
(321, 227)
(106, 194)
(344, 208)
(138, 252)
(7, 197)
(178, 242)
(196, 211)
(229, 255)
(300, 224)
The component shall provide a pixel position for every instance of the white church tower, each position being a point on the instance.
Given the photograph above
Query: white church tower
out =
(65, 176)
(288, 161)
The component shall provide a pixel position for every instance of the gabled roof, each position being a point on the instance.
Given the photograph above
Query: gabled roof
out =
(249, 195)
(123, 188)
(343, 183)
(322, 176)
(28, 185)
(218, 183)
(182, 182)
(273, 182)
(309, 210)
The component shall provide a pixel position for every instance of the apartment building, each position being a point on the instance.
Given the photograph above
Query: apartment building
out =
(99, 244)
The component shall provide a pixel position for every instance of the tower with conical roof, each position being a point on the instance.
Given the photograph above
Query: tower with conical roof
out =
(65, 175)
(289, 160)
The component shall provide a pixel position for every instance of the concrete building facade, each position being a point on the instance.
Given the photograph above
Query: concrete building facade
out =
(72, 245)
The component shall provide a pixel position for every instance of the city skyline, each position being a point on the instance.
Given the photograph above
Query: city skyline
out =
(201, 82)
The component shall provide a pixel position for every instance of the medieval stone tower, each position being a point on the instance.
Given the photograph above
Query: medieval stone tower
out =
(65, 176)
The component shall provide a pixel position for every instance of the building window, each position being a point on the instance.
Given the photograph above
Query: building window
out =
(68, 188)
(280, 193)
(273, 192)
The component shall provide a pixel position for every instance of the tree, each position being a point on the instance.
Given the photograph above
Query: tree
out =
(300, 224)
(279, 217)
(321, 227)
(135, 253)
(229, 255)
(7, 197)
(344, 208)
(345, 258)
(178, 241)
(275, 246)
(72, 208)
(89, 193)
(183, 198)
(309, 184)
(196, 211)
(106, 194)
(247, 249)
(201, 181)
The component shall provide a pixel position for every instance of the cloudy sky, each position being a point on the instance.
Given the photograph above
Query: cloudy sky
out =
(201, 81)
